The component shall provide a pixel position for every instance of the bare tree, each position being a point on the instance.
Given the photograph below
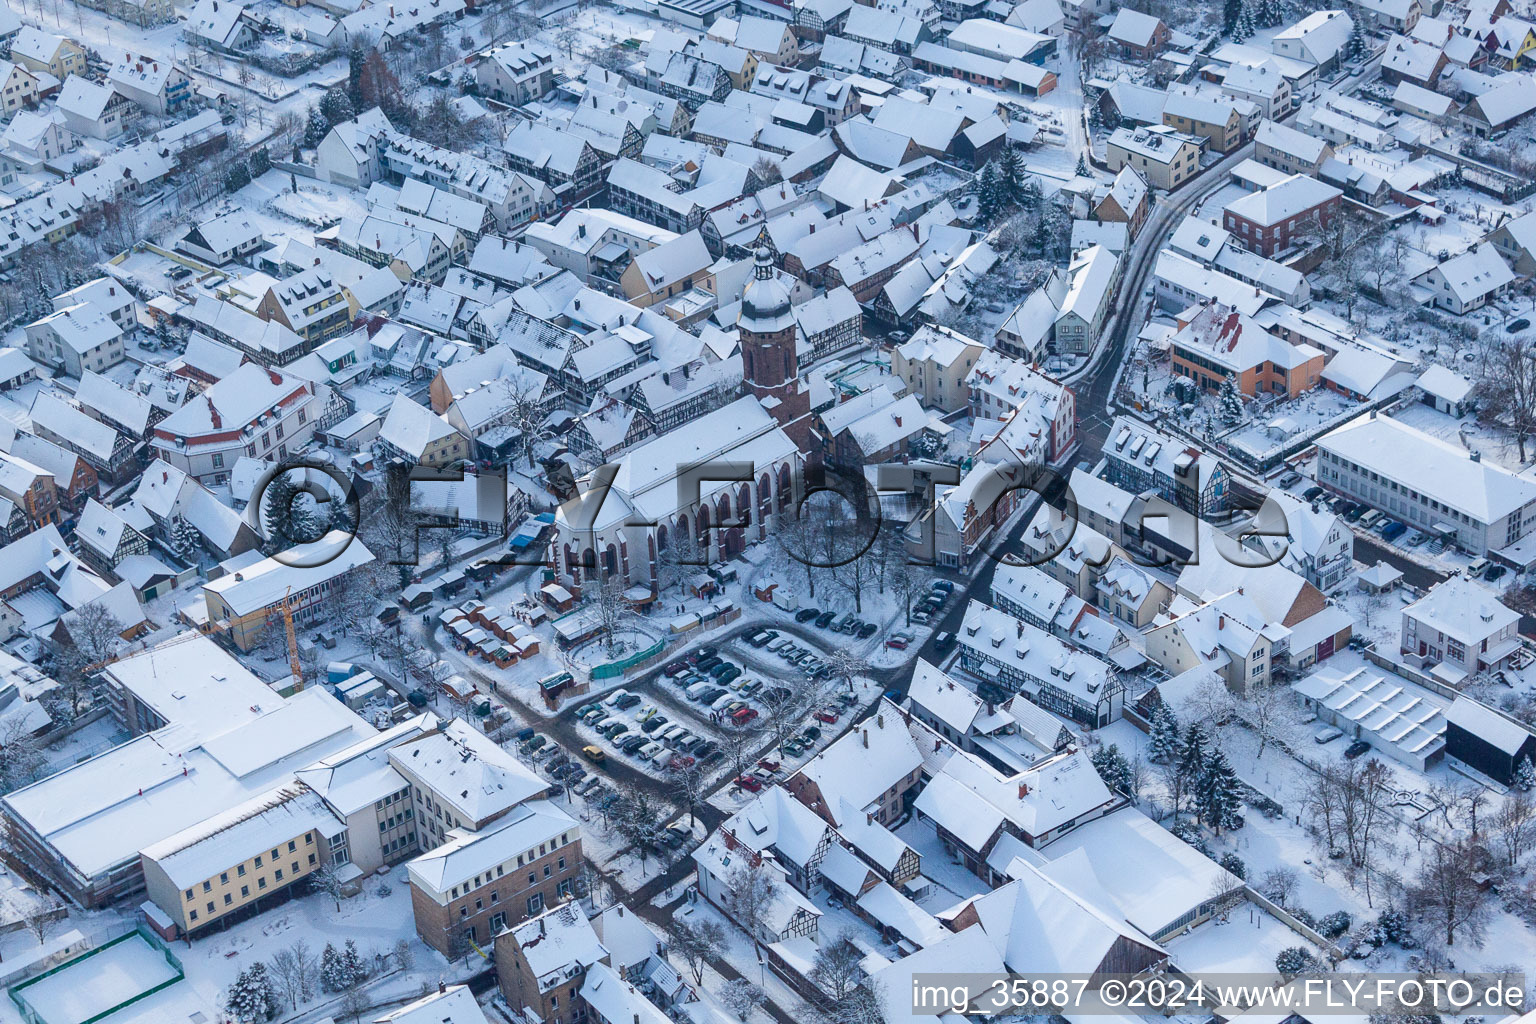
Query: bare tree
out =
(741, 997)
(1447, 894)
(691, 783)
(768, 171)
(21, 758)
(297, 971)
(327, 879)
(846, 666)
(42, 917)
(613, 608)
(1279, 884)
(697, 944)
(747, 895)
(525, 413)
(97, 634)
(1264, 710)
(1514, 823)
(835, 969)
(354, 1003)
(1347, 802)
(1508, 384)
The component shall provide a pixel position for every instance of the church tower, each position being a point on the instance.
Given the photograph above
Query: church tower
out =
(769, 366)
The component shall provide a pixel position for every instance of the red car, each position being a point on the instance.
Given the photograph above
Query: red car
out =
(680, 762)
(826, 716)
(896, 643)
(744, 715)
(673, 668)
(749, 783)
(768, 765)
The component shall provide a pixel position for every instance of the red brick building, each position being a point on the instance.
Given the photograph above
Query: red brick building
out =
(1270, 221)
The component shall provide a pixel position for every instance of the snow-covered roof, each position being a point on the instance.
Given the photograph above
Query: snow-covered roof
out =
(1487, 724)
(863, 763)
(557, 943)
(264, 583)
(1290, 198)
(1443, 382)
(1133, 28)
(971, 800)
(1464, 609)
(1148, 876)
(246, 830)
(98, 814)
(776, 819)
(454, 1005)
(468, 853)
(412, 427)
(473, 777)
(1038, 924)
(1434, 468)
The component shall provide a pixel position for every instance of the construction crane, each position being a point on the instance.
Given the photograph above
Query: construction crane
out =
(293, 642)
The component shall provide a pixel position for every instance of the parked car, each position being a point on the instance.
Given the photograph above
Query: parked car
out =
(810, 733)
(1393, 530)
(1290, 479)
(524, 735)
(897, 642)
(945, 585)
(672, 668)
(744, 715)
(807, 614)
(867, 630)
(627, 701)
(630, 744)
(826, 717)
(653, 723)
(943, 642)
(1355, 749)
(1517, 325)
(749, 783)
(825, 619)
(1494, 572)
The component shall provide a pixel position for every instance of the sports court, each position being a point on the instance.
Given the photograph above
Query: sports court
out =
(97, 983)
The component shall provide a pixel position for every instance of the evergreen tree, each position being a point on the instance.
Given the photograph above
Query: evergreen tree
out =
(1164, 736)
(337, 107)
(357, 57)
(1233, 863)
(1218, 796)
(333, 971)
(1011, 169)
(1029, 194)
(986, 189)
(184, 539)
(1244, 25)
(1082, 165)
(287, 521)
(236, 177)
(1193, 752)
(251, 995)
(315, 127)
(1525, 775)
(1231, 13)
(352, 963)
(1231, 401)
(261, 162)
(1114, 769)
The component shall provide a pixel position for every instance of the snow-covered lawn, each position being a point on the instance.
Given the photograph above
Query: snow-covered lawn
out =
(1245, 942)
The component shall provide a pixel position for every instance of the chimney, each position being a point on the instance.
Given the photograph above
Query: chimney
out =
(1477, 456)
(1023, 790)
(1221, 622)
(441, 988)
(915, 238)
(813, 229)
(866, 739)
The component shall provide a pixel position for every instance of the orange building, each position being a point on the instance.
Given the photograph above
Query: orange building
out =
(1218, 342)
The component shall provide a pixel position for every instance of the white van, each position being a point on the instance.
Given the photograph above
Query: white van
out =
(1370, 519)
(664, 735)
(662, 757)
(697, 688)
(1477, 568)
